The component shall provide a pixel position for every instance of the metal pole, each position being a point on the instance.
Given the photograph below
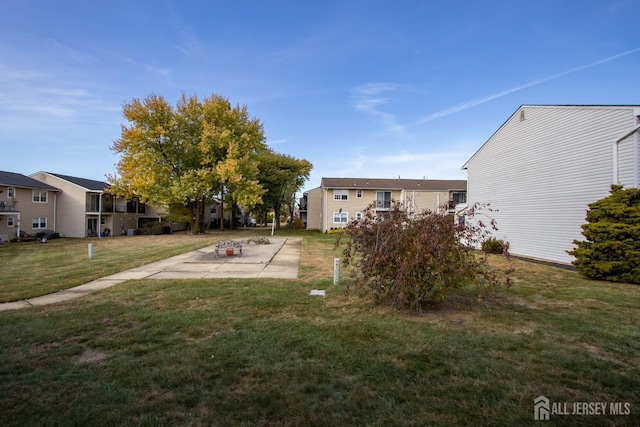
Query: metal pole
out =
(336, 270)
(90, 250)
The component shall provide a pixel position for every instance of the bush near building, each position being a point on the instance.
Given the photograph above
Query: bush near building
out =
(611, 250)
(415, 260)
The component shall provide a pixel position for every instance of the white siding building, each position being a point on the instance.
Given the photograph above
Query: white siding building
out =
(545, 164)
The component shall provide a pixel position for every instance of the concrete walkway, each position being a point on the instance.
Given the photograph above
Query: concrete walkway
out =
(280, 259)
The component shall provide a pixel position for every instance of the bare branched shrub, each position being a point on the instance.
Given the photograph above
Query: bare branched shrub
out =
(413, 260)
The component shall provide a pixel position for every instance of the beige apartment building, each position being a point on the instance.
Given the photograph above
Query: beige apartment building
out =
(339, 200)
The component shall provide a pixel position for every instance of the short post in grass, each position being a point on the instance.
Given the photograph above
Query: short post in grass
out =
(336, 270)
(90, 250)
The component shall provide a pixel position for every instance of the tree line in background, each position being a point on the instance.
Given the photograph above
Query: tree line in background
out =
(200, 152)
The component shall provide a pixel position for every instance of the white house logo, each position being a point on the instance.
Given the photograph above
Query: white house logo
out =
(541, 408)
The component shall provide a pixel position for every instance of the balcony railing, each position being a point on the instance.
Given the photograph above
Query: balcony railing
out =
(382, 204)
(94, 209)
(8, 206)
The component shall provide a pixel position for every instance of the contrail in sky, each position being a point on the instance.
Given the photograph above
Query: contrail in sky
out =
(478, 101)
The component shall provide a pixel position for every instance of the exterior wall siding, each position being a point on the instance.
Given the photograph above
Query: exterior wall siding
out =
(71, 205)
(627, 161)
(539, 174)
(426, 200)
(314, 209)
(28, 210)
(322, 206)
(352, 205)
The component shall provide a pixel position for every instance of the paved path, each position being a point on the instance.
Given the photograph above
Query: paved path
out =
(280, 259)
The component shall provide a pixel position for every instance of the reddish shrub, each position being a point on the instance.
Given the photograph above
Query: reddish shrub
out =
(413, 260)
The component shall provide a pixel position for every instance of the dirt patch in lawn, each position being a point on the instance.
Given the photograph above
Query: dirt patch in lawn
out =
(90, 356)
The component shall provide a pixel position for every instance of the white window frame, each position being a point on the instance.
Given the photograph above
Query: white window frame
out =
(358, 216)
(341, 195)
(359, 194)
(39, 223)
(342, 217)
(11, 192)
(40, 196)
(11, 221)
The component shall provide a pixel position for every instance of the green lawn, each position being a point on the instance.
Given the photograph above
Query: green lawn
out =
(32, 269)
(264, 352)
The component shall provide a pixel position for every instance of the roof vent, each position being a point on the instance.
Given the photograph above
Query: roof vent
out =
(521, 115)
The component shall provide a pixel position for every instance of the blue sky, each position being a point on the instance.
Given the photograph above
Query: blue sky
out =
(375, 89)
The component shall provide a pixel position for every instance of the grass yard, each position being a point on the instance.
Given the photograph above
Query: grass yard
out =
(32, 269)
(263, 352)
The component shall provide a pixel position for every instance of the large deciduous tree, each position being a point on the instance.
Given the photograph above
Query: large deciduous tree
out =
(190, 154)
(282, 176)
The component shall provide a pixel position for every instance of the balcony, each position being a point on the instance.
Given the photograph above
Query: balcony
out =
(382, 204)
(92, 208)
(9, 206)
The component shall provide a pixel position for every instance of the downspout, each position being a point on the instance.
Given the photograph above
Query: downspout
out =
(55, 212)
(325, 193)
(636, 162)
(636, 157)
(101, 193)
(615, 162)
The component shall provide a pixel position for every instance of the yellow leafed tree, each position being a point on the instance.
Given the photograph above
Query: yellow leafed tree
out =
(190, 155)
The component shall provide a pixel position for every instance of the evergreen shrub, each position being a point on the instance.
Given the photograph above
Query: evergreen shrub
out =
(611, 250)
(493, 246)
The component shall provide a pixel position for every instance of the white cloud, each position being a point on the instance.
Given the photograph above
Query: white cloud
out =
(370, 99)
(474, 102)
(189, 44)
(152, 69)
(70, 53)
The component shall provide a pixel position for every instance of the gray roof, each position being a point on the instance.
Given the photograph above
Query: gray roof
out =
(89, 184)
(395, 184)
(12, 179)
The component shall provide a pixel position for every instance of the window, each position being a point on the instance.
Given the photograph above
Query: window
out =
(135, 206)
(11, 192)
(359, 216)
(94, 202)
(383, 199)
(459, 197)
(39, 223)
(340, 194)
(359, 194)
(10, 222)
(39, 196)
(340, 217)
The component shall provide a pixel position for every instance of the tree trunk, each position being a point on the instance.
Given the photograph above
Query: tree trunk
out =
(221, 214)
(276, 213)
(202, 214)
(199, 211)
